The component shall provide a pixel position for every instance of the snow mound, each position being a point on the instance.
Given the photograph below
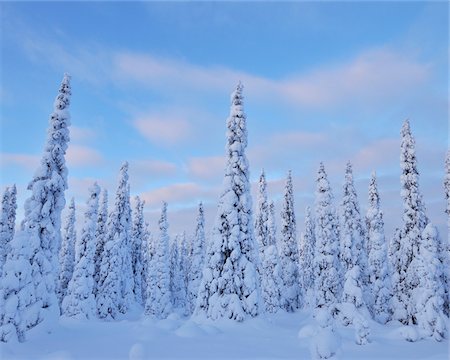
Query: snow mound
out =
(168, 324)
(189, 330)
(325, 344)
(307, 331)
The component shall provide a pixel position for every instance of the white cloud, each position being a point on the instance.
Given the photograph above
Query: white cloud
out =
(27, 161)
(163, 128)
(206, 167)
(79, 155)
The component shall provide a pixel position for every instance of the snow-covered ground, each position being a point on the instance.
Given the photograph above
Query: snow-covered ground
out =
(279, 336)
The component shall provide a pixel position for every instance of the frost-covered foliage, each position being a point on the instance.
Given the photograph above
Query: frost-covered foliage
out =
(7, 221)
(100, 237)
(269, 263)
(116, 277)
(430, 291)
(197, 255)
(398, 309)
(20, 309)
(289, 251)
(183, 268)
(43, 208)
(67, 252)
(445, 240)
(146, 255)
(306, 258)
(158, 303)
(414, 222)
(176, 278)
(137, 236)
(380, 284)
(352, 250)
(79, 301)
(272, 224)
(229, 287)
(327, 288)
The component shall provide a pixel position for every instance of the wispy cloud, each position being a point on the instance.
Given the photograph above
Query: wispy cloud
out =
(206, 167)
(27, 161)
(163, 128)
(79, 156)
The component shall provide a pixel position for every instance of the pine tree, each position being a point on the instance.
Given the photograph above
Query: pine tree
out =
(414, 222)
(289, 251)
(114, 293)
(352, 250)
(381, 291)
(229, 287)
(158, 302)
(43, 208)
(100, 237)
(137, 235)
(430, 291)
(270, 271)
(79, 301)
(327, 276)
(197, 259)
(306, 258)
(67, 252)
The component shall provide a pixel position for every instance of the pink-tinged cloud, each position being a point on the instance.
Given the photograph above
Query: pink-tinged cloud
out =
(164, 128)
(206, 167)
(79, 156)
(378, 154)
(29, 162)
(179, 194)
(373, 75)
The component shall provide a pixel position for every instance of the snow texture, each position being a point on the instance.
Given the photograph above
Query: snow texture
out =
(137, 236)
(100, 237)
(7, 222)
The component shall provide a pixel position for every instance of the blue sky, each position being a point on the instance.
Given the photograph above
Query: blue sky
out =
(327, 81)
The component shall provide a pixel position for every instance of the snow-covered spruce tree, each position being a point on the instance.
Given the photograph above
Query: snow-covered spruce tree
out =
(229, 287)
(352, 250)
(12, 211)
(146, 255)
(414, 222)
(306, 258)
(43, 208)
(5, 237)
(430, 292)
(269, 264)
(289, 251)
(100, 237)
(79, 301)
(380, 284)
(394, 255)
(327, 274)
(115, 292)
(158, 303)
(272, 224)
(19, 308)
(67, 252)
(183, 268)
(175, 281)
(445, 240)
(197, 257)
(137, 236)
